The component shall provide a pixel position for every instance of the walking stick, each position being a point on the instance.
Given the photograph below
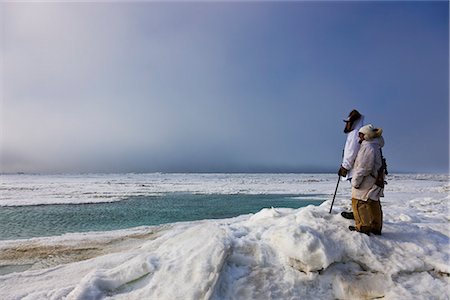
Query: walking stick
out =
(332, 202)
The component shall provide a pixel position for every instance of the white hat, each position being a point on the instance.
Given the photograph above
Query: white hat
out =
(370, 132)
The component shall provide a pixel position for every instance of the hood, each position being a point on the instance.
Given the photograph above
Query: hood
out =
(377, 141)
(356, 125)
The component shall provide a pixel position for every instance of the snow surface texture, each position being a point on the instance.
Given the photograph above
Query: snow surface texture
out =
(303, 253)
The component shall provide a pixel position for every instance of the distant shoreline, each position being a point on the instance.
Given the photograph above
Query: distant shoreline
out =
(157, 172)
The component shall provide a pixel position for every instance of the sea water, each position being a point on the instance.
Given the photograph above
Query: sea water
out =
(20, 222)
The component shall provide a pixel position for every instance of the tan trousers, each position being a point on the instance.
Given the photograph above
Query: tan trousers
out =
(368, 216)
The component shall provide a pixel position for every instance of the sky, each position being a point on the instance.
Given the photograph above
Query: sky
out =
(220, 86)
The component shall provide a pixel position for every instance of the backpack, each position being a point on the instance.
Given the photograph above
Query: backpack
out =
(382, 171)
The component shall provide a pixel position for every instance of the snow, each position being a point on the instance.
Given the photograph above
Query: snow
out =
(18, 190)
(274, 254)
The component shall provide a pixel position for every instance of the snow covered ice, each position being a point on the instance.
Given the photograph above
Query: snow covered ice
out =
(279, 253)
(97, 188)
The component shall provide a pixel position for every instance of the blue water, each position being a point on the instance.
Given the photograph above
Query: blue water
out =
(48, 220)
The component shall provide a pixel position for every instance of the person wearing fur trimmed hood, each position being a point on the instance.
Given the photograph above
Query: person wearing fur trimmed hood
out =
(366, 187)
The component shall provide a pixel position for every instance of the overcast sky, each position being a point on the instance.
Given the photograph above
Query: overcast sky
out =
(217, 87)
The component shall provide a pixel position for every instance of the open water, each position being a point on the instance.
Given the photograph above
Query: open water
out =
(47, 220)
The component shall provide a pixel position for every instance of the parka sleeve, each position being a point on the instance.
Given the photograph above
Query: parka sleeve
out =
(366, 161)
(350, 150)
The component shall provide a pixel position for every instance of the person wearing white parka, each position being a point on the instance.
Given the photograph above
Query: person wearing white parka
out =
(353, 123)
(368, 172)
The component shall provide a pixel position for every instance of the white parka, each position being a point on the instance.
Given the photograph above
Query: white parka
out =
(365, 171)
(351, 148)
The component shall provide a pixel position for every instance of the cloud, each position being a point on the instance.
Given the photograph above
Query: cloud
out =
(206, 86)
(94, 80)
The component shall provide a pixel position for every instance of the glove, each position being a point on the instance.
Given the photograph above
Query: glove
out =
(342, 171)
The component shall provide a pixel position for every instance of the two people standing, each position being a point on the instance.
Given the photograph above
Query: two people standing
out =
(364, 166)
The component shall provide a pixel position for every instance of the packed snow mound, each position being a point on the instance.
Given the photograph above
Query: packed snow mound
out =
(277, 253)
(183, 258)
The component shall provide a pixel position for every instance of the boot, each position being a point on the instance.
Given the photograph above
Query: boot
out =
(348, 215)
(353, 228)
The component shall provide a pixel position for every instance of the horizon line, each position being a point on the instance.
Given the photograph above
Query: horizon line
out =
(207, 172)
